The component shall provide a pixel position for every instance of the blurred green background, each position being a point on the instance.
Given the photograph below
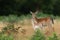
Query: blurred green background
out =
(23, 7)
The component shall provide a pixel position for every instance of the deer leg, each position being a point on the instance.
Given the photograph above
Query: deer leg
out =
(33, 25)
(40, 26)
(50, 27)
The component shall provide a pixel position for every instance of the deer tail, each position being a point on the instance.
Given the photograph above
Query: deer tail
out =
(52, 20)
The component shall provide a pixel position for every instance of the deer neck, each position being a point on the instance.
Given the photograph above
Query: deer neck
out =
(35, 19)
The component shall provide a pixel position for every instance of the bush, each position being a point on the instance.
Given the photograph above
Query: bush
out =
(38, 36)
(54, 37)
(6, 34)
(4, 37)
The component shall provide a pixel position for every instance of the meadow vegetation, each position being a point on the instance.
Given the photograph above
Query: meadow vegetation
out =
(11, 19)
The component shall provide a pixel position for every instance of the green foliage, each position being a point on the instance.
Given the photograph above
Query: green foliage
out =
(18, 6)
(4, 37)
(38, 36)
(28, 16)
(11, 18)
(14, 18)
(42, 15)
(22, 17)
(54, 37)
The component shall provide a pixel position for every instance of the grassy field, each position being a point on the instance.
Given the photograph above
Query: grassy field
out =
(9, 23)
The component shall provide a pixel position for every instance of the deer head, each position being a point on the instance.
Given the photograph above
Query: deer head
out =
(33, 13)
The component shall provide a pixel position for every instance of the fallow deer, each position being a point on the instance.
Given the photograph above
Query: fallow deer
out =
(38, 23)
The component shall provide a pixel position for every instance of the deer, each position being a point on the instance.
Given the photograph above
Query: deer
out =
(38, 23)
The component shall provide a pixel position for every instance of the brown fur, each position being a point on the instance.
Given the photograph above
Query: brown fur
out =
(42, 19)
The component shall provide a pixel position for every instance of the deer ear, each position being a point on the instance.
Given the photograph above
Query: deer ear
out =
(36, 12)
(31, 12)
